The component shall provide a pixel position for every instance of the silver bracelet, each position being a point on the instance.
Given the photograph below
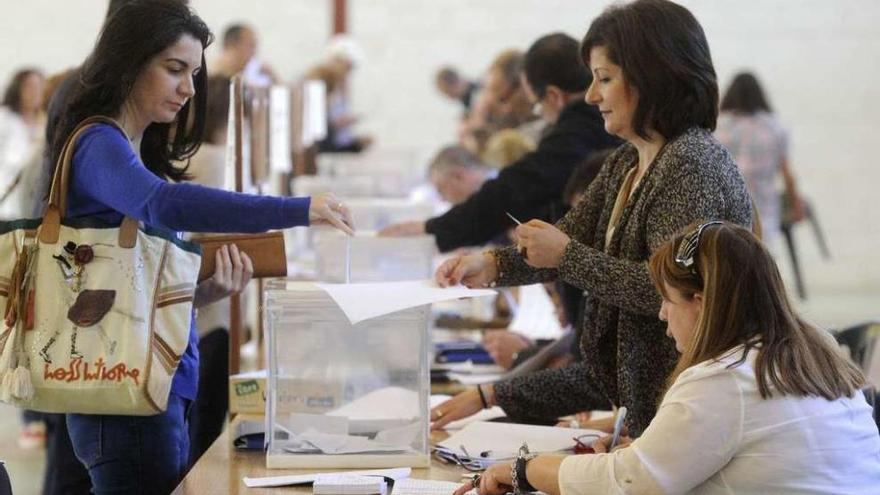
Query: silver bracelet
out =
(514, 483)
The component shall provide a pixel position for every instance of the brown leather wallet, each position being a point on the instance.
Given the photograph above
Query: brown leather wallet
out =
(265, 250)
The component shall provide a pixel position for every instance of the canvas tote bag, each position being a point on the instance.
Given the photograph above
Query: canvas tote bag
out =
(97, 316)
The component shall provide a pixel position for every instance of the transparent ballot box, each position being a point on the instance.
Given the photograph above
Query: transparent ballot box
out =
(372, 259)
(378, 213)
(369, 214)
(342, 395)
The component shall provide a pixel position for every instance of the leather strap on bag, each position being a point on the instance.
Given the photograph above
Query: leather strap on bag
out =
(57, 207)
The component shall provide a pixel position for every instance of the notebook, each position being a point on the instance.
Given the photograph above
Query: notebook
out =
(348, 484)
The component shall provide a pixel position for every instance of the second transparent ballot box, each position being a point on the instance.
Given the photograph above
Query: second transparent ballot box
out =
(343, 395)
(372, 258)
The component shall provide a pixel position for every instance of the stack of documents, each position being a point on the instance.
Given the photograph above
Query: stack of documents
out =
(481, 444)
(395, 474)
(348, 484)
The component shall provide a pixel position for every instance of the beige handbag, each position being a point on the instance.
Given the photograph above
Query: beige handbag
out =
(97, 316)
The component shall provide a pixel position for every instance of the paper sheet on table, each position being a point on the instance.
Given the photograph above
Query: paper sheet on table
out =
(411, 486)
(502, 440)
(536, 316)
(468, 368)
(493, 412)
(348, 484)
(361, 302)
(474, 378)
(301, 479)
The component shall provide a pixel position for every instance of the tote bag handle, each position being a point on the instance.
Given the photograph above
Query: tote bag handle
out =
(57, 207)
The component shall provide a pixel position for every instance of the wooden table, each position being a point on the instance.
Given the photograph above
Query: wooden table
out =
(221, 469)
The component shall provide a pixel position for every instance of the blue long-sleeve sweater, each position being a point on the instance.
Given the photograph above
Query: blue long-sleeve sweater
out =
(109, 181)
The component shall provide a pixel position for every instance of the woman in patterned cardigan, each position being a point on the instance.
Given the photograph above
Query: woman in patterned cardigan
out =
(655, 85)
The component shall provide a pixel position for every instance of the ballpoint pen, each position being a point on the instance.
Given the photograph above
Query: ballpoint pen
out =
(618, 426)
(522, 250)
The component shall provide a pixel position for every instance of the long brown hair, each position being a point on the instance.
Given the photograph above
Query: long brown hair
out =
(744, 303)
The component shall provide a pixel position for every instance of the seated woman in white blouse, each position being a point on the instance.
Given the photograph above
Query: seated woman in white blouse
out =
(760, 401)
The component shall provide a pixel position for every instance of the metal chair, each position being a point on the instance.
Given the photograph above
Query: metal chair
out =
(860, 340)
(788, 222)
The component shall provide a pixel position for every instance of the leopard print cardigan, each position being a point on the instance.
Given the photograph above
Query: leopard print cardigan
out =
(626, 354)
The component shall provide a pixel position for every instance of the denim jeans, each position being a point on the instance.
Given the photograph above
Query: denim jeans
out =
(64, 474)
(208, 414)
(133, 454)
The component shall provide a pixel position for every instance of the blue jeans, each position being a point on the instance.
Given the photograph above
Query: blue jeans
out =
(133, 454)
(64, 474)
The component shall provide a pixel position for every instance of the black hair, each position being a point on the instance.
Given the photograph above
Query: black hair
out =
(131, 37)
(233, 33)
(12, 96)
(554, 59)
(115, 5)
(745, 95)
(664, 55)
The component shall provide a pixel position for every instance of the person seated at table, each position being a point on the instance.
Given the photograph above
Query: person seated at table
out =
(457, 173)
(506, 147)
(555, 76)
(239, 55)
(502, 103)
(759, 402)
(342, 56)
(454, 86)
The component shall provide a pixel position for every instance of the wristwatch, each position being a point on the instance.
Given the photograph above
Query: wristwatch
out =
(518, 471)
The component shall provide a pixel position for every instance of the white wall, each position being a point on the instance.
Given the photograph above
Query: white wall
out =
(817, 58)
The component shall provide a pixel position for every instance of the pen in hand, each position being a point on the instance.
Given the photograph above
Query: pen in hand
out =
(522, 250)
(618, 427)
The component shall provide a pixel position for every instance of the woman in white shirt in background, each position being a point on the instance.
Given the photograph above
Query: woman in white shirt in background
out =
(21, 136)
(760, 402)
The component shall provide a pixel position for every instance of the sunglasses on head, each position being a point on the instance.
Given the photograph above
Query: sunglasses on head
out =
(687, 250)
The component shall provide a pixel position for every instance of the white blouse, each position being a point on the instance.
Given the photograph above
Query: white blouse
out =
(713, 433)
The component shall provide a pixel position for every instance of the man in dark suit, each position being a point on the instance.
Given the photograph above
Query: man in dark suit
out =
(556, 79)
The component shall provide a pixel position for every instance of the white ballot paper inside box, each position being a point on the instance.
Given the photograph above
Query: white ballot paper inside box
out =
(363, 301)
